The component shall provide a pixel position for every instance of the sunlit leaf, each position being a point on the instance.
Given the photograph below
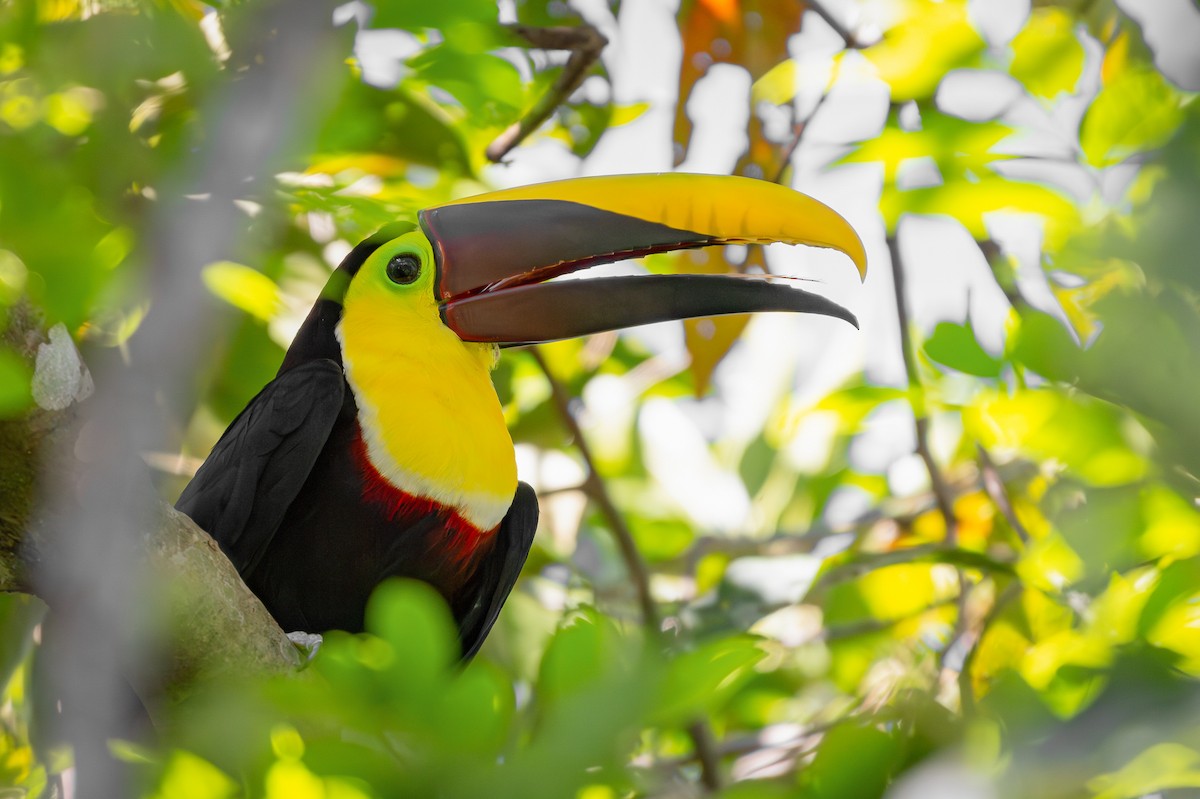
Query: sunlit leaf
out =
(960, 149)
(970, 202)
(442, 15)
(1162, 767)
(778, 86)
(243, 287)
(853, 761)
(1136, 111)
(955, 346)
(1172, 613)
(414, 619)
(703, 679)
(1171, 525)
(1047, 54)
(932, 39)
(1086, 435)
(187, 776)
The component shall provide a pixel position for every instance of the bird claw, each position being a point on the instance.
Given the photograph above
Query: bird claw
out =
(308, 643)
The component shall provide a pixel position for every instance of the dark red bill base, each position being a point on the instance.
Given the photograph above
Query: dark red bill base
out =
(485, 244)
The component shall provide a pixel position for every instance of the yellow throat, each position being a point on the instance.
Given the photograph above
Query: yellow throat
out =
(430, 418)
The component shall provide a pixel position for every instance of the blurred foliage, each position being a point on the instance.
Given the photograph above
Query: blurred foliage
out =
(1042, 642)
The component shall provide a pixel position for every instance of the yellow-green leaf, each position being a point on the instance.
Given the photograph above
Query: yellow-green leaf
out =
(243, 287)
(916, 54)
(1047, 55)
(1137, 111)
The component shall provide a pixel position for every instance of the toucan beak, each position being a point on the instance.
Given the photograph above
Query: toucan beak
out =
(495, 251)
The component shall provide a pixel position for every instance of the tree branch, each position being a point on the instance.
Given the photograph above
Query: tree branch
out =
(214, 624)
(585, 44)
(818, 8)
(597, 492)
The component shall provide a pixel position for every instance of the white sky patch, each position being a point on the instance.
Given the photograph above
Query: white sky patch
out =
(610, 403)
(998, 23)
(719, 108)
(643, 60)
(888, 435)
(779, 580)
(680, 461)
(1172, 29)
(978, 95)
(808, 450)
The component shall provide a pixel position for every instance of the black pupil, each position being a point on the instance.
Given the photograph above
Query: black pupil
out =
(403, 269)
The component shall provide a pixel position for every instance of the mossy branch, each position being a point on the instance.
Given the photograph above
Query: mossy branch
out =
(211, 624)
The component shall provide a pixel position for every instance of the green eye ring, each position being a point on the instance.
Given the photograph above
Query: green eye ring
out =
(404, 268)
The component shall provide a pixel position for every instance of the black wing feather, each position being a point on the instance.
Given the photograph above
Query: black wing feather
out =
(498, 573)
(255, 471)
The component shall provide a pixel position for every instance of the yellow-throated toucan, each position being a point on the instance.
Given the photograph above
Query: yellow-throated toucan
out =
(380, 448)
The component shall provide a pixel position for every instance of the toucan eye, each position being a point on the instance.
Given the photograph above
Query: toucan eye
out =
(404, 269)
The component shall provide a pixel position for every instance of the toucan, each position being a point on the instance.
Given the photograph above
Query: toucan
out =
(380, 448)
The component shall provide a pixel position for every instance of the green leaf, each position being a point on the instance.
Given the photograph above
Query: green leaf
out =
(702, 680)
(413, 618)
(15, 377)
(853, 761)
(488, 86)
(1047, 55)
(1176, 584)
(448, 16)
(959, 148)
(931, 39)
(579, 654)
(661, 539)
(1160, 768)
(1096, 441)
(1137, 111)
(955, 346)
(19, 614)
(243, 287)
(970, 201)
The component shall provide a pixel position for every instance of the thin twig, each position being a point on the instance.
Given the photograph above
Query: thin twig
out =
(818, 8)
(994, 486)
(798, 131)
(745, 744)
(1001, 272)
(552, 492)
(965, 690)
(937, 480)
(597, 491)
(585, 44)
(924, 553)
(706, 754)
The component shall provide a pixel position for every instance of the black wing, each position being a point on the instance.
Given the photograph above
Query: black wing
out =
(255, 471)
(498, 573)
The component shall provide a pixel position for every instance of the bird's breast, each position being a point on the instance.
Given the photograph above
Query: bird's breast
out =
(461, 540)
(432, 426)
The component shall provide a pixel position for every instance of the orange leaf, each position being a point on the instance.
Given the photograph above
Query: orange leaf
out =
(724, 10)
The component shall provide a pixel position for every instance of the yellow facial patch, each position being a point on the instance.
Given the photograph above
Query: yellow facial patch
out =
(431, 421)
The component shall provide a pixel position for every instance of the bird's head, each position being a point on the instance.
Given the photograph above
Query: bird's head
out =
(426, 304)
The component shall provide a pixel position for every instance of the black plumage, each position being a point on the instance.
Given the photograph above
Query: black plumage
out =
(284, 493)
